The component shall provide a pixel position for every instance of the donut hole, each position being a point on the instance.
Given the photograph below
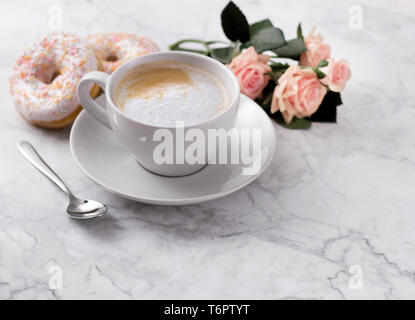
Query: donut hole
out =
(112, 57)
(55, 74)
(47, 74)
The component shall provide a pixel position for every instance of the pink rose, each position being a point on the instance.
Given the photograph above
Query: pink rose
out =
(298, 94)
(250, 68)
(316, 50)
(337, 74)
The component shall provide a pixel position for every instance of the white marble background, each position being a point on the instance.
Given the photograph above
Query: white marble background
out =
(335, 197)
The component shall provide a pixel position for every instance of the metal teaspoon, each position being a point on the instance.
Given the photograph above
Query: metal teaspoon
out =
(77, 208)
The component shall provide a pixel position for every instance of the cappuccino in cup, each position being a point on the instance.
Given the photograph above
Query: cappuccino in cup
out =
(161, 106)
(164, 92)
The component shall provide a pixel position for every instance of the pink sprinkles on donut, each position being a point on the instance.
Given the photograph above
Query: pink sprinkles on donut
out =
(115, 48)
(43, 81)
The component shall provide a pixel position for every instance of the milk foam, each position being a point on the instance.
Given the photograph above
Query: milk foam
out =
(165, 92)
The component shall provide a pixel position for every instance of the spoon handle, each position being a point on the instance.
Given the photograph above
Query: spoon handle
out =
(30, 153)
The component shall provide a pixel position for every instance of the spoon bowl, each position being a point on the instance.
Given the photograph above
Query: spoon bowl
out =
(85, 209)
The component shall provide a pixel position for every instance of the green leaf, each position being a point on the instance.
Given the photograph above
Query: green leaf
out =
(178, 46)
(223, 55)
(276, 75)
(296, 123)
(278, 70)
(266, 99)
(234, 23)
(263, 24)
(292, 49)
(209, 43)
(300, 32)
(277, 66)
(327, 112)
(322, 64)
(268, 39)
(320, 74)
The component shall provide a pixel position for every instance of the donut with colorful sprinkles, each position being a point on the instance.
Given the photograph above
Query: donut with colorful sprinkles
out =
(44, 79)
(115, 48)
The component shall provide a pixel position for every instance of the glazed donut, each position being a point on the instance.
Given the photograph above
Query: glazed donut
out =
(113, 49)
(43, 81)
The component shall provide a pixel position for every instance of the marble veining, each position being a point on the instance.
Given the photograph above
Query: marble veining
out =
(333, 216)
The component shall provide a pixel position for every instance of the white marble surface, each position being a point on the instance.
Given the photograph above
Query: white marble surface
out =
(335, 197)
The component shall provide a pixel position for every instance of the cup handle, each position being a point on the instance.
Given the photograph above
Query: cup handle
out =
(89, 104)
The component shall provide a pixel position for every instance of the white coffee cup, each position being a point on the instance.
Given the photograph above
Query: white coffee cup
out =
(138, 137)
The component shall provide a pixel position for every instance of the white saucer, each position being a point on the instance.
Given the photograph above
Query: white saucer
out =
(99, 155)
